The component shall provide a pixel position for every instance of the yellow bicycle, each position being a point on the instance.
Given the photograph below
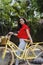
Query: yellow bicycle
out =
(8, 50)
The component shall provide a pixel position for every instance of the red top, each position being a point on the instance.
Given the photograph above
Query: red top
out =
(22, 32)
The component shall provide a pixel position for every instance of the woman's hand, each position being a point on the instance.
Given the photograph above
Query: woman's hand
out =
(15, 34)
(31, 41)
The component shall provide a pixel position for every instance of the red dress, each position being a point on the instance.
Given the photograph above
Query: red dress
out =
(22, 32)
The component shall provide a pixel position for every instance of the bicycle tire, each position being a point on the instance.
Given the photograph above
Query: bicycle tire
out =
(8, 58)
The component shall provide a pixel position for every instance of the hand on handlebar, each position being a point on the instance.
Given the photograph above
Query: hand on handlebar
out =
(15, 34)
(31, 42)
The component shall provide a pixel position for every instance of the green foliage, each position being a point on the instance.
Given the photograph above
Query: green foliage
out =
(21, 8)
(6, 1)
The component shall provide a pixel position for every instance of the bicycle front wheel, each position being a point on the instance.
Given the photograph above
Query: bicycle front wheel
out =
(9, 57)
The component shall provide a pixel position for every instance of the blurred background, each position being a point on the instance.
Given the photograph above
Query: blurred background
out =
(32, 10)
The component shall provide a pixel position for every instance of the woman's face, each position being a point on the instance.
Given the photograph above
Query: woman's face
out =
(22, 21)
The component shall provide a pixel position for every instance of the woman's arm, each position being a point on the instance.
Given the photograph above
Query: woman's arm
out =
(13, 33)
(28, 33)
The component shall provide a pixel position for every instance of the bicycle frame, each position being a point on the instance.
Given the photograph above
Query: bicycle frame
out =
(24, 54)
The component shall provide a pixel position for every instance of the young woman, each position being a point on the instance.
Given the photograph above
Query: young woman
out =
(23, 33)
